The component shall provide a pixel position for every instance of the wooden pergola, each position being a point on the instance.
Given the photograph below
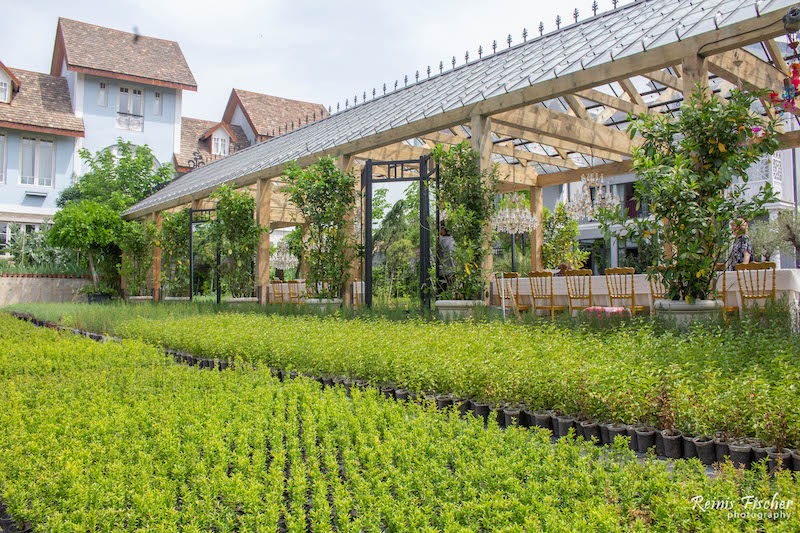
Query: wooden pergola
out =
(546, 111)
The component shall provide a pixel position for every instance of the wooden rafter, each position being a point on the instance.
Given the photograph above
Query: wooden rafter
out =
(741, 67)
(576, 106)
(613, 102)
(666, 79)
(557, 144)
(630, 90)
(776, 56)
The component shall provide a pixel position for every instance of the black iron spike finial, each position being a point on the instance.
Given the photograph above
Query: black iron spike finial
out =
(384, 88)
(355, 99)
(575, 14)
(429, 71)
(615, 3)
(494, 47)
(314, 116)
(594, 7)
(441, 67)
(293, 124)
(405, 79)
(346, 103)
(330, 109)
(524, 35)
(466, 57)
(395, 84)
(337, 107)
(541, 28)
(508, 40)
(558, 22)
(365, 95)
(480, 52)
(454, 61)
(417, 75)
(373, 93)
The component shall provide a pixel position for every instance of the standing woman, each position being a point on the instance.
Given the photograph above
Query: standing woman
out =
(742, 251)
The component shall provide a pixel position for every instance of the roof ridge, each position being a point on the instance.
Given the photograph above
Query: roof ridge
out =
(36, 72)
(278, 97)
(120, 31)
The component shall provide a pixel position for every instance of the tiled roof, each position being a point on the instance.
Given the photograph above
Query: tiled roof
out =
(87, 46)
(593, 43)
(268, 113)
(41, 104)
(191, 131)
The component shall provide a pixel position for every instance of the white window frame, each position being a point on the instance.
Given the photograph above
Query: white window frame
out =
(5, 92)
(130, 118)
(158, 103)
(3, 156)
(7, 234)
(37, 179)
(102, 94)
(220, 145)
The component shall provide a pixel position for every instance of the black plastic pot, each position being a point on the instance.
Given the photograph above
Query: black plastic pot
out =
(645, 439)
(740, 453)
(660, 444)
(499, 415)
(480, 411)
(223, 365)
(591, 431)
(672, 442)
(348, 387)
(706, 449)
(444, 401)
(293, 375)
(796, 460)
(526, 418)
(464, 407)
(721, 449)
(564, 424)
(401, 395)
(616, 430)
(543, 419)
(328, 382)
(388, 392)
(760, 453)
(281, 375)
(605, 438)
(776, 459)
(511, 417)
(634, 442)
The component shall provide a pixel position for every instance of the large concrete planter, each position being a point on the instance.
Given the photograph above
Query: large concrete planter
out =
(140, 298)
(246, 300)
(456, 309)
(323, 304)
(684, 313)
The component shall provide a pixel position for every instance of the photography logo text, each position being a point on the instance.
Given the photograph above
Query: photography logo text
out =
(747, 507)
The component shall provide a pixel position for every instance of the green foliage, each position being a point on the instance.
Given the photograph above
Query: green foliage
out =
(157, 446)
(693, 176)
(237, 233)
(33, 253)
(560, 239)
(466, 199)
(767, 240)
(788, 223)
(174, 242)
(326, 198)
(136, 241)
(120, 180)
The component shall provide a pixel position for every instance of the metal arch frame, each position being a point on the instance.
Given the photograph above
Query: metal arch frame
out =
(192, 222)
(426, 170)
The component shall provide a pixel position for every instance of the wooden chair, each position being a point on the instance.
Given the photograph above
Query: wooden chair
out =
(294, 291)
(579, 288)
(756, 282)
(726, 309)
(277, 291)
(507, 284)
(620, 287)
(658, 291)
(542, 289)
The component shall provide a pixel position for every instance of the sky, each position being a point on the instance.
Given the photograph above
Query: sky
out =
(322, 52)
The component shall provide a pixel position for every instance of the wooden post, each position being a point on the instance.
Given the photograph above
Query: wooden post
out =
(156, 268)
(695, 71)
(481, 140)
(537, 239)
(345, 163)
(304, 259)
(263, 204)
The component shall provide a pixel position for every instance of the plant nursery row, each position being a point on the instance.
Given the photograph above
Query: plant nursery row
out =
(733, 385)
(114, 436)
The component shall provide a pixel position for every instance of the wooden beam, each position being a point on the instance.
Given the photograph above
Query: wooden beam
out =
(345, 163)
(538, 119)
(481, 141)
(156, 267)
(665, 79)
(630, 90)
(695, 73)
(776, 56)
(576, 106)
(263, 212)
(515, 178)
(570, 176)
(741, 67)
(558, 144)
(537, 235)
(522, 155)
(613, 102)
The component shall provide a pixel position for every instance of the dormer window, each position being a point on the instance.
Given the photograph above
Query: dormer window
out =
(5, 92)
(130, 109)
(220, 144)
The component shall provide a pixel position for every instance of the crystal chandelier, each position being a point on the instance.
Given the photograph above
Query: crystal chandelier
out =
(583, 207)
(515, 217)
(282, 259)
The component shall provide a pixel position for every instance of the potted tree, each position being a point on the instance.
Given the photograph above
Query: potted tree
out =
(136, 242)
(693, 177)
(466, 199)
(325, 196)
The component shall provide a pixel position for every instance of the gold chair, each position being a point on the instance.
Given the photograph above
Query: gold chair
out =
(277, 291)
(542, 289)
(579, 288)
(294, 291)
(620, 287)
(726, 309)
(756, 282)
(658, 291)
(510, 290)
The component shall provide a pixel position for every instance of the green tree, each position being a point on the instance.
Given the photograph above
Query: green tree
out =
(88, 227)
(325, 197)
(174, 242)
(560, 239)
(693, 176)
(136, 241)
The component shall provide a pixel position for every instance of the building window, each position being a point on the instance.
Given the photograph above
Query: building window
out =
(220, 146)
(157, 103)
(102, 95)
(5, 92)
(37, 162)
(130, 109)
(2, 158)
(3, 235)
